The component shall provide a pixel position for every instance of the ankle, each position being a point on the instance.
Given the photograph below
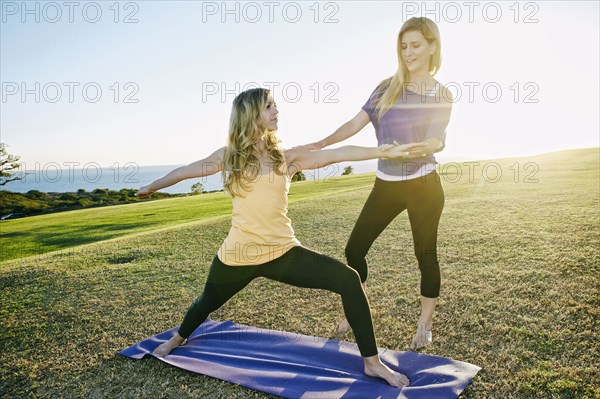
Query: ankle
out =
(372, 361)
(177, 339)
(426, 324)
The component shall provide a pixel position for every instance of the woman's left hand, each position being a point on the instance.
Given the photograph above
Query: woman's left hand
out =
(394, 150)
(426, 147)
(420, 150)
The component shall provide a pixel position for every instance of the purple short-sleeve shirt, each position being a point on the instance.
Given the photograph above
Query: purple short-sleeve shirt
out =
(415, 118)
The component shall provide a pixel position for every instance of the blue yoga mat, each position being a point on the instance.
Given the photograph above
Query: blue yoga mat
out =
(300, 366)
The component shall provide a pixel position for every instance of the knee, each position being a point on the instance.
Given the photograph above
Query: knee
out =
(349, 281)
(350, 253)
(354, 257)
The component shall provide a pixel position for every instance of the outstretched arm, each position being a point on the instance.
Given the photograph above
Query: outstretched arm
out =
(204, 167)
(302, 159)
(344, 132)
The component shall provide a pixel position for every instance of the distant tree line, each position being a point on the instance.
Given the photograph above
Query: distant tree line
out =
(35, 202)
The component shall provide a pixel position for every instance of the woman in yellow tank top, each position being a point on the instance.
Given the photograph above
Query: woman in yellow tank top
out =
(261, 241)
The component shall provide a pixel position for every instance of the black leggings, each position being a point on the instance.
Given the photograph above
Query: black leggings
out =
(423, 198)
(300, 267)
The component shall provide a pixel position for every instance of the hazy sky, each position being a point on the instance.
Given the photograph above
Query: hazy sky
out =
(151, 82)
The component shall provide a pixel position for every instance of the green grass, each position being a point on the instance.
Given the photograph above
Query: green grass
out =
(520, 276)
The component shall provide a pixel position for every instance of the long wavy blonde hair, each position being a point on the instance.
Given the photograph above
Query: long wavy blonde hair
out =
(241, 162)
(390, 90)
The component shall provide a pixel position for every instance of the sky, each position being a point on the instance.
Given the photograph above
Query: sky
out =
(152, 82)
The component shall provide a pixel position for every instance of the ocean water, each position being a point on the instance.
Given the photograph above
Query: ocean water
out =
(61, 180)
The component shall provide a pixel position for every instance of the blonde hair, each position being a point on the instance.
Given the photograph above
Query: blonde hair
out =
(240, 162)
(390, 90)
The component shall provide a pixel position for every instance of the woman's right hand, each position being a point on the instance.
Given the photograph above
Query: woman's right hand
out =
(144, 192)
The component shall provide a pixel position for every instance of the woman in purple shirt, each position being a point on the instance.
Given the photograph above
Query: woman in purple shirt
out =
(412, 108)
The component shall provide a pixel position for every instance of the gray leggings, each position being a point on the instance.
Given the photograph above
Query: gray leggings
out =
(300, 267)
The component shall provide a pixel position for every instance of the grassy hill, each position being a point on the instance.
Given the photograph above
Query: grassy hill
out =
(520, 262)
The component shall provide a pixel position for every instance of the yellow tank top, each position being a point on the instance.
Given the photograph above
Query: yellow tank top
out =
(260, 229)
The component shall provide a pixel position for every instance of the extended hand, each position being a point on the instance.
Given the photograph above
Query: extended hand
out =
(426, 147)
(144, 192)
(420, 150)
(393, 151)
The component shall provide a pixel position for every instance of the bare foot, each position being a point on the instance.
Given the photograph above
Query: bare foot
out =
(166, 348)
(423, 337)
(375, 368)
